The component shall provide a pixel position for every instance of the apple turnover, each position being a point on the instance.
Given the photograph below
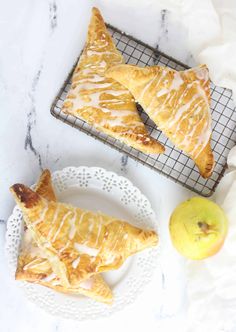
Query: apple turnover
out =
(179, 104)
(103, 102)
(79, 243)
(34, 266)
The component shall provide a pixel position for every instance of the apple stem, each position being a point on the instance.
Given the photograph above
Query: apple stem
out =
(204, 227)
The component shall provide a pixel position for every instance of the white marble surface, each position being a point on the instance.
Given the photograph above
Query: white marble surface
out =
(39, 41)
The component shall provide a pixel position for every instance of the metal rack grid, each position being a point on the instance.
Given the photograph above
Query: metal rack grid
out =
(173, 163)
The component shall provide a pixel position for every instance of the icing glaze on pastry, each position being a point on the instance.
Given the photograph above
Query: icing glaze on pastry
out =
(103, 102)
(179, 104)
(99, 242)
(33, 264)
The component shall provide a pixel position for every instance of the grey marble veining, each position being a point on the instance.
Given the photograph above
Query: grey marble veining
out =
(31, 119)
(53, 14)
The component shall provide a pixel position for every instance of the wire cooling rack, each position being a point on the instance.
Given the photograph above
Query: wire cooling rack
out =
(174, 164)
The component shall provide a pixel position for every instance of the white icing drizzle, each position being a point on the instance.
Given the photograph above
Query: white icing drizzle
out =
(110, 258)
(72, 225)
(94, 85)
(147, 86)
(177, 82)
(100, 222)
(189, 132)
(93, 79)
(60, 226)
(117, 237)
(169, 96)
(35, 263)
(90, 85)
(91, 52)
(75, 263)
(91, 223)
(126, 236)
(116, 92)
(204, 136)
(177, 116)
(183, 112)
(55, 216)
(83, 249)
(63, 248)
(95, 101)
(163, 74)
(42, 213)
(50, 277)
(102, 64)
(83, 213)
(84, 71)
(162, 92)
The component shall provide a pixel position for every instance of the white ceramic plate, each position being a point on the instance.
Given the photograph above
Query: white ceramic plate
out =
(95, 189)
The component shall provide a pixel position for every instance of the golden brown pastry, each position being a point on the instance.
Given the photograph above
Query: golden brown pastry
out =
(33, 265)
(102, 102)
(79, 243)
(179, 104)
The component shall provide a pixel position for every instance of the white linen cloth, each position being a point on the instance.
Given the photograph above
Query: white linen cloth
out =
(211, 26)
(211, 287)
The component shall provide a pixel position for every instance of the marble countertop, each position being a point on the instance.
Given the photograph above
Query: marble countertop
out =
(40, 41)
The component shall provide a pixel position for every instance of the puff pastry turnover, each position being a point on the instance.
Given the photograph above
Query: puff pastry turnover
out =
(103, 102)
(79, 243)
(33, 265)
(179, 104)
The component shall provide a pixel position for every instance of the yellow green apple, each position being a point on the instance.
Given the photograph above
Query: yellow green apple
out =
(198, 228)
